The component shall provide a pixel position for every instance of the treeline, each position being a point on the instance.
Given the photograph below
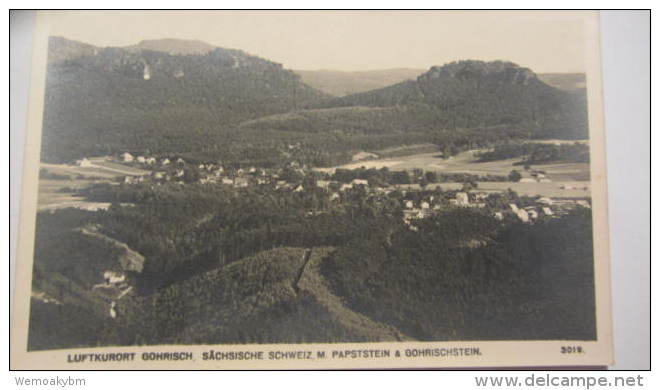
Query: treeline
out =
(384, 177)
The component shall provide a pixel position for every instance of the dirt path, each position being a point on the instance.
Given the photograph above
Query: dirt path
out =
(312, 281)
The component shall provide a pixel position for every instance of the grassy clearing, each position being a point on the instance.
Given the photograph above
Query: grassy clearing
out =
(466, 162)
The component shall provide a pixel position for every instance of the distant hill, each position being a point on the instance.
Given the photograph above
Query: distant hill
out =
(342, 83)
(192, 99)
(339, 83)
(154, 95)
(174, 46)
(473, 94)
(565, 81)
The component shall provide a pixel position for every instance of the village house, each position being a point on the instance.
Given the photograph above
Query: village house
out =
(533, 214)
(462, 199)
(150, 160)
(112, 277)
(409, 204)
(527, 180)
(425, 205)
(127, 157)
(345, 187)
(227, 181)
(300, 188)
(334, 196)
(360, 182)
(323, 184)
(165, 161)
(180, 161)
(84, 163)
(547, 211)
(141, 159)
(523, 215)
(520, 213)
(241, 182)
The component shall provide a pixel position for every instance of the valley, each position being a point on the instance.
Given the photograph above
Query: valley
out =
(192, 194)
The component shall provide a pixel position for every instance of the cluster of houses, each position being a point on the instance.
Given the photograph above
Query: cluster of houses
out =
(129, 158)
(543, 206)
(210, 173)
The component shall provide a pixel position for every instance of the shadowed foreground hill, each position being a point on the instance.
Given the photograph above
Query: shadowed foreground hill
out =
(270, 297)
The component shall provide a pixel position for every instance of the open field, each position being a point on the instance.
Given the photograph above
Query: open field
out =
(552, 190)
(465, 162)
(117, 168)
(100, 168)
(59, 193)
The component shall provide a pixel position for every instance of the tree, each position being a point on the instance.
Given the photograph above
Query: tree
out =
(515, 176)
(401, 177)
(431, 177)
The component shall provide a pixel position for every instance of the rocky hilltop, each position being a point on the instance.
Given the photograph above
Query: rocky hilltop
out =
(477, 94)
(154, 94)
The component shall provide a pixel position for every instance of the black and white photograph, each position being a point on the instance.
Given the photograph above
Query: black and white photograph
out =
(324, 188)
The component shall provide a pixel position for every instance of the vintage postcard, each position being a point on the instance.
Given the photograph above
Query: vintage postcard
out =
(313, 189)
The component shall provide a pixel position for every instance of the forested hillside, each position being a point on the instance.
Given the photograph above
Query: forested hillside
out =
(106, 100)
(223, 266)
(190, 99)
(474, 94)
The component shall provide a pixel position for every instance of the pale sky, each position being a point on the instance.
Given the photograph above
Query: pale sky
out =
(351, 40)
